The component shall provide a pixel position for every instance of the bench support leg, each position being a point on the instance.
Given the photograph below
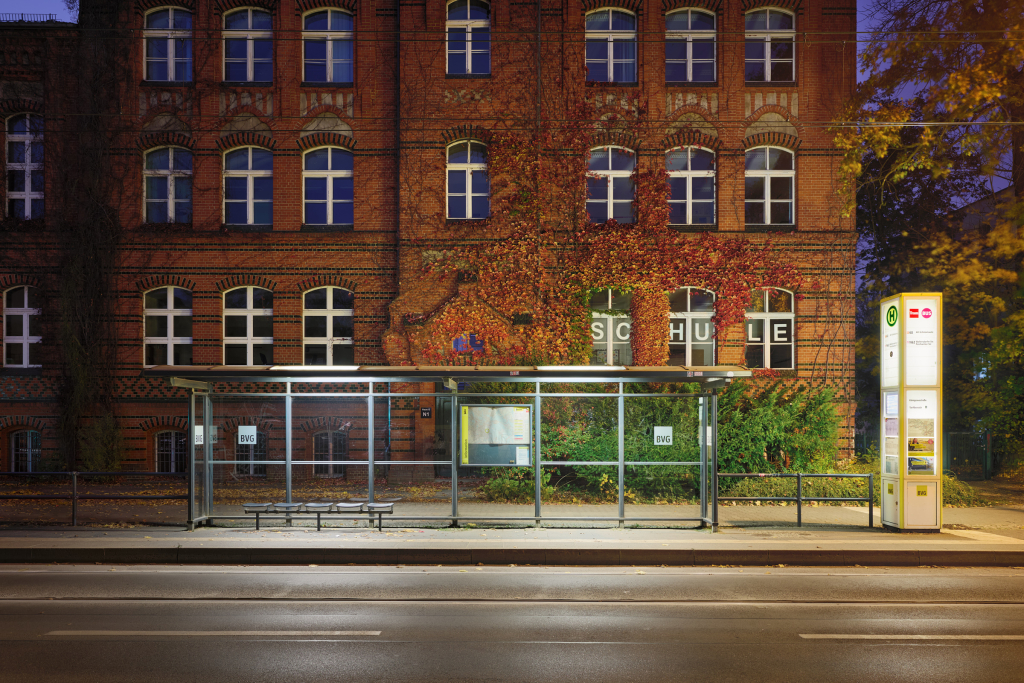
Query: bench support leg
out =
(318, 521)
(257, 521)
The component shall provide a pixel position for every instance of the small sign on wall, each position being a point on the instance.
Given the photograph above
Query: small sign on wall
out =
(247, 435)
(198, 441)
(662, 436)
(426, 412)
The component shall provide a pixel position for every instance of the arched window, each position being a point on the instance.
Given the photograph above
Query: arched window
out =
(169, 185)
(327, 328)
(248, 455)
(691, 330)
(770, 52)
(168, 36)
(23, 310)
(327, 51)
(770, 175)
(611, 46)
(249, 186)
(609, 185)
(168, 323)
(469, 38)
(771, 333)
(25, 450)
(328, 449)
(171, 452)
(610, 327)
(25, 180)
(691, 181)
(469, 190)
(690, 47)
(327, 187)
(249, 326)
(248, 46)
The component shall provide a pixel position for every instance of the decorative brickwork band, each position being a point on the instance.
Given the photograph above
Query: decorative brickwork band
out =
(244, 281)
(691, 138)
(231, 423)
(323, 139)
(631, 5)
(222, 6)
(143, 6)
(8, 281)
(303, 6)
(466, 132)
(166, 421)
(785, 113)
(325, 424)
(14, 422)
(710, 5)
(775, 139)
(154, 281)
(613, 139)
(20, 106)
(166, 139)
(326, 281)
(792, 5)
(246, 139)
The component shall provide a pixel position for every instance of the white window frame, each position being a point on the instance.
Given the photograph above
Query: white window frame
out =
(611, 333)
(773, 334)
(170, 174)
(767, 36)
(469, 25)
(250, 175)
(249, 35)
(33, 142)
(769, 176)
(171, 449)
(249, 340)
(689, 36)
(25, 340)
(170, 314)
(609, 176)
(467, 170)
(330, 313)
(689, 175)
(611, 37)
(173, 37)
(329, 36)
(251, 466)
(330, 175)
(331, 463)
(682, 328)
(29, 449)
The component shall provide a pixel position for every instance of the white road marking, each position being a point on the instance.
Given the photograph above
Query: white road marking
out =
(214, 633)
(875, 636)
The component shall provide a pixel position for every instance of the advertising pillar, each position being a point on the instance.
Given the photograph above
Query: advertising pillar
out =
(911, 412)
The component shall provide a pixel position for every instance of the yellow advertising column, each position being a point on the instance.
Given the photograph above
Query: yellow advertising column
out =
(911, 412)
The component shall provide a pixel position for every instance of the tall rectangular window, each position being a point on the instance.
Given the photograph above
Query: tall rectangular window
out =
(690, 47)
(168, 36)
(168, 326)
(248, 47)
(327, 47)
(26, 183)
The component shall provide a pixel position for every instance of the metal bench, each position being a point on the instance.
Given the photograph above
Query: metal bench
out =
(321, 509)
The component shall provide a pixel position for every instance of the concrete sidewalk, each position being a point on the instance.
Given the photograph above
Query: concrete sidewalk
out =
(992, 536)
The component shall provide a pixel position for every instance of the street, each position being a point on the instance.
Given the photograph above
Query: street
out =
(415, 623)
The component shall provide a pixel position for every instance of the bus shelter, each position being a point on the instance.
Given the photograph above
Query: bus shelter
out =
(351, 432)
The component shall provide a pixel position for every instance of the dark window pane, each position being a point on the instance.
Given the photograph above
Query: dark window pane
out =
(458, 153)
(261, 20)
(701, 301)
(623, 160)
(781, 49)
(481, 207)
(341, 21)
(753, 50)
(781, 188)
(316, 213)
(702, 213)
(782, 213)
(315, 326)
(183, 354)
(622, 21)
(622, 212)
(316, 72)
(156, 325)
(16, 181)
(599, 160)
(678, 302)
(14, 325)
(341, 160)
(341, 326)
(344, 354)
(621, 301)
(703, 72)
(457, 182)
(262, 298)
(343, 299)
(457, 206)
(343, 214)
(236, 48)
(676, 160)
(263, 326)
(235, 354)
(182, 298)
(677, 213)
(35, 324)
(237, 20)
(780, 302)
(157, 298)
(754, 71)
(702, 160)
(16, 152)
(236, 214)
(156, 354)
(756, 21)
(598, 21)
(236, 298)
(158, 19)
(754, 213)
(677, 21)
(703, 49)
(316, 299)
(702, 21)
(481, 62)
(315, 50)
(156, 188)
(317, 21)
(675, 49)
(703, 188)
(315, 354)
(262, 160)
(780, 21)
(37, 208)
(780, 160)
(756, 159)
(677, 188)
(183, 188)
(675, 72)
(235, 326)
(236, 189)
(624, 72)
(478, 9)
(755, 356)
(316, 189)
(182, 326)
(262, 354)
(236, 160)
(754, 187)
(782, 71)
(781, 356)
(343, 189)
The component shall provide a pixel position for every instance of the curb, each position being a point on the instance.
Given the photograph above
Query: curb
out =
(498, 556)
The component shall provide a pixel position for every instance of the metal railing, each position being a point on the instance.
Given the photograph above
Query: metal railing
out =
(799, 498)
(75, 496)
(7, 16)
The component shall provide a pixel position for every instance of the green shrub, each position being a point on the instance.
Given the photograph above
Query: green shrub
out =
(514, 485)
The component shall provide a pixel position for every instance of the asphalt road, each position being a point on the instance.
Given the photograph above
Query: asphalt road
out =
(224, 624)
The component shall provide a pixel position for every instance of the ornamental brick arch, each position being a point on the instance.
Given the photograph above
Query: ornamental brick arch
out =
(303, 6)
(466, 132)
(154, 281)
(709, 5)
(144, 6)
(246, 280)
(634, 6)
(8, 281)
(326, 281)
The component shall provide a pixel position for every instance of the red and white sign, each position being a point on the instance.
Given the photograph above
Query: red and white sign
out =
(914, 312)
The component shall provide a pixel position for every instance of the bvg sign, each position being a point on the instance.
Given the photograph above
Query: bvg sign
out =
(247, 436)
(662, 436)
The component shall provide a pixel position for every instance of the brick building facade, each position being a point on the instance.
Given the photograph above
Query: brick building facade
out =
(284, 169)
